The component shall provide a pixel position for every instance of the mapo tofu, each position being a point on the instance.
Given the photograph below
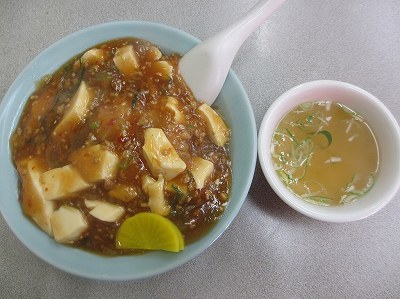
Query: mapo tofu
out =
(114, 132)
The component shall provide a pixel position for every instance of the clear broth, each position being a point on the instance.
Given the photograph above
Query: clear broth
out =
(325, 153)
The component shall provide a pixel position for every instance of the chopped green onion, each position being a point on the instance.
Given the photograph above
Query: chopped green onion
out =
(134, 100)
(311, 121)
(347, 198)
(319, 200)
(178, 191)
(302, 152)
(353, 194)
(284, 176)
(328, 137)
(309, 118)
(179, 196)
(355, 115)
(291, 135)
(95, 125)
(123, 164)
(306, 106)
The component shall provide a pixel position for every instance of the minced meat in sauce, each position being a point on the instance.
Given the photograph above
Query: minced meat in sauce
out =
(123, 103)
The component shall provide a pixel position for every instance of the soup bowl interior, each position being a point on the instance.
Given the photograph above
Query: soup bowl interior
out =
(232, 102)
(383, 125)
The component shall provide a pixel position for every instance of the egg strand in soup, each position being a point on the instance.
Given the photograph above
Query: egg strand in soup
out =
(116, 132)
(325, 153)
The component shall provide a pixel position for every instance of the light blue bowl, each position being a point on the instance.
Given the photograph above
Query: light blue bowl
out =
(235, 107)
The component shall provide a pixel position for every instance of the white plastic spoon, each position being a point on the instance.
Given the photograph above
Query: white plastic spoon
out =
(205, 67)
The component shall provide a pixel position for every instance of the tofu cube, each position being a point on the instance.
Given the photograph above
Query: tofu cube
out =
(33, 202)
(76, 112)
(153, 53)
(105, 211)
(155, 191)
(160, 155)
(90, 204)
(92, 56)
(126, 61)
(68, 224)
(172, 106)
(216, 128)
(95, 163)
(62, 182)
(201, 170)
(163, 69)
(123, 192)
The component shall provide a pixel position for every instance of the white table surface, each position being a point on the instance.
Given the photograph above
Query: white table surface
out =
(269, 250)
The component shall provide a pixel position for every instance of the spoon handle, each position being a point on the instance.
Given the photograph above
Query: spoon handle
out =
(233, 36)
(205, 67)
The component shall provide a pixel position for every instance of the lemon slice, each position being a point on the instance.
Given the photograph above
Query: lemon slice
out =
(149, 231)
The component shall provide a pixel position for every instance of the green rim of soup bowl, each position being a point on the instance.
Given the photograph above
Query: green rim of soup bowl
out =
(377, 116)
(232, 102)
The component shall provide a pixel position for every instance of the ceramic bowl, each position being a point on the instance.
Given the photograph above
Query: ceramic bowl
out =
(232, 102)
(381, 122)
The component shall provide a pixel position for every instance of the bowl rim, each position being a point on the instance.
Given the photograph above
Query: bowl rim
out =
(328, 214)
(157, 262)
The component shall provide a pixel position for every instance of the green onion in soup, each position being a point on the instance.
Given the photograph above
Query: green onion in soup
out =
(325, 153)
